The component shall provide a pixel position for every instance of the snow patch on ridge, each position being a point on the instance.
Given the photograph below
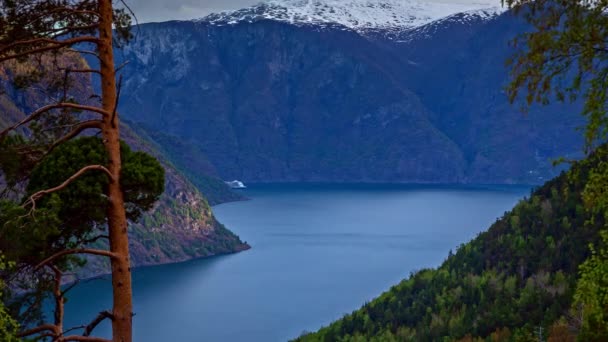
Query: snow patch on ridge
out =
(359, 15)
(469, 17)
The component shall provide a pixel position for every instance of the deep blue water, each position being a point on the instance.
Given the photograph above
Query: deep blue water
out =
(318, 252)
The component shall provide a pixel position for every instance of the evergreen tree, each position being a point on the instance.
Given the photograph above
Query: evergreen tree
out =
(34, 36)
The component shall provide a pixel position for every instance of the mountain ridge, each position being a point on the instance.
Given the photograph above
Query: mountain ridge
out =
(359, 15)
(269, 101)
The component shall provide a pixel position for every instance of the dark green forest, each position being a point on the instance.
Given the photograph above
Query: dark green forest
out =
(517, 281)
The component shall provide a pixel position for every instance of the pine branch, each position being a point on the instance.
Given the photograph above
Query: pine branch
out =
(36, 114)
(83, 339)
(100, 318)
(95, 71)
(79, 128)
(39, 329)
(76, 251)
(32, 199)
(51, 45)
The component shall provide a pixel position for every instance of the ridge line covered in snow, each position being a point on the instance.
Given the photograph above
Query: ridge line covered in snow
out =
(359, 15)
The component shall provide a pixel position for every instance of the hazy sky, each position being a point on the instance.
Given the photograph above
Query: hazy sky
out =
(162, 10)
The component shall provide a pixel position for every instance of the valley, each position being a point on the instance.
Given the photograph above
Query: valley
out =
(305, 170)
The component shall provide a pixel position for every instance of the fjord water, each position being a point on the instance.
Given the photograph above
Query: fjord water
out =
(318, 252)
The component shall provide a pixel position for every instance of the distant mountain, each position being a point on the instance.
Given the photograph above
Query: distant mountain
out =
(362, 16)
(303, 92)
(458, 71)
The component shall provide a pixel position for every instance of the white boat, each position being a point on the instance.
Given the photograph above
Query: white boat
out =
(235, 184)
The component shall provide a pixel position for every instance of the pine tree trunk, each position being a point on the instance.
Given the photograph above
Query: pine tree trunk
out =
(117, 222)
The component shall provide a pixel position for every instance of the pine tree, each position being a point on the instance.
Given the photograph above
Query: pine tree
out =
(32, 32)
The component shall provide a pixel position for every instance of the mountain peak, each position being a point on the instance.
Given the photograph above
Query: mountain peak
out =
(359, 15)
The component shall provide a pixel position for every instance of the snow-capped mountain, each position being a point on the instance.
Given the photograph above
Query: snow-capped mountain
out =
(330, 99)
(359, 15)
(472, 17)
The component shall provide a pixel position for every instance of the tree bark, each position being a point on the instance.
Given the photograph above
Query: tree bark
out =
(59, 301)
(122, 310)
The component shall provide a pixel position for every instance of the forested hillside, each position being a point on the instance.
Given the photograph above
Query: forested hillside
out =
(510, 283)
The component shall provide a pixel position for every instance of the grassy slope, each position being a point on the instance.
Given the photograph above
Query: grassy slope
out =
(502, 286)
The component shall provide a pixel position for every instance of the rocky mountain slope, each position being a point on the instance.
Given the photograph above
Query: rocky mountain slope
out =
(191, 161)
(292, 95)
(181, 226)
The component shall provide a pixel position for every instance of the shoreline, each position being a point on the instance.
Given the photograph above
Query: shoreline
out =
(242, 248)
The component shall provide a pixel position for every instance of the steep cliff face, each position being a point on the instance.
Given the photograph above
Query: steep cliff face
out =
(278, 100)
(460, 73)
(181, 226)
(275, 102)
(190, 160)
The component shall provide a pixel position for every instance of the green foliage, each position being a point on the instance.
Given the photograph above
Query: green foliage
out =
(592, 293)
(83, 202)
(517, 277)
(25, 237)
(8, 326)
(564, 57)
(21, 20)
(591, 296)
(70, 217)
(13, 164)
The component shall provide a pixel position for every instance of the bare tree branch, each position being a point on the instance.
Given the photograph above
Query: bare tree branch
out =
(71, 286)
(78, 327)
(94, 239)
(118, 68)
(100, 318)
(88, 329)
(59, 299)
(79, 128)
(32, 199)
(52, 45)
(36, 114)
(82, 338)
(59, 10)
(59, 32)
(118, 89)
(76, 251)
(84, 52)
(84, 71)
(39, 329)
